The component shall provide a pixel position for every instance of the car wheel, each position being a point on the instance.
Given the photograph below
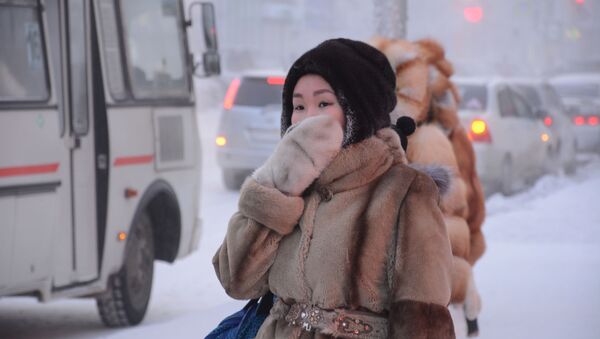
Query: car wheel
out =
(233, 179)
(126, 300)
(507, 177)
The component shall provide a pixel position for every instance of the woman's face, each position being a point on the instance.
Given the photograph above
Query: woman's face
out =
(313, 96)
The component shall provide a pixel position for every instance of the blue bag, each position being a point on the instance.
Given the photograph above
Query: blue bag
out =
(244, 324)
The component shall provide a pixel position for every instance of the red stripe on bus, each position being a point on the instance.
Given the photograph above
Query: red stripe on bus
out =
(27, 170)
(135, 160)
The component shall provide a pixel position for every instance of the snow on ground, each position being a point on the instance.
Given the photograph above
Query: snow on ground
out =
(539, 278)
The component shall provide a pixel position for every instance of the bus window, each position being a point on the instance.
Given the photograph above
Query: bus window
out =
(23, 65)
(77, 59)
(112, 49)
(154, 46)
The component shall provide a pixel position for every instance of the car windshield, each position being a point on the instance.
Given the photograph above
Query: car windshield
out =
(579, 90)
(258, 92)
(473, 97)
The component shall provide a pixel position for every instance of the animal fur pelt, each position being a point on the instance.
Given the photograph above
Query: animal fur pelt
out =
(426, 94)
(439, 174)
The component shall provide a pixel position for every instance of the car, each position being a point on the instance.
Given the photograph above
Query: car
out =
(548, 106)
(581, 95)
(249, 126)
(511, 144)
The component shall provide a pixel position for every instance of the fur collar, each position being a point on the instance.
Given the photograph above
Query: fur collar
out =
(362, 162)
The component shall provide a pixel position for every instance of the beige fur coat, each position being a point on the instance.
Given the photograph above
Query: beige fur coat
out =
(367, 235)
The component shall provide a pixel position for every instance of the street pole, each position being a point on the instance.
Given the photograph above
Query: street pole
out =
(390, 18)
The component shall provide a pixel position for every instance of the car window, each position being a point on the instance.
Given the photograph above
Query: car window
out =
(473, 97)
(530, 94)
(505, 104)
(579, 90)
(523, 108)
(258, 92)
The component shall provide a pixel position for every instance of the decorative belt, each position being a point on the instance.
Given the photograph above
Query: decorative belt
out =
(340, 323)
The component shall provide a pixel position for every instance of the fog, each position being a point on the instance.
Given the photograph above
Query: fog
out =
(507, 38)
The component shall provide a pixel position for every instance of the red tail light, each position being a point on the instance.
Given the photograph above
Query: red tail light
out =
(231, 93)
(592, 120)
(548, 121)
(275, 80)
(579, 120)
(479, 131)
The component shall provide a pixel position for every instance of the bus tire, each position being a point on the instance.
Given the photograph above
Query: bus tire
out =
(126, 300)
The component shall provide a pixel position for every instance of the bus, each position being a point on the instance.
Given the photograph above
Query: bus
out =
(99, 146)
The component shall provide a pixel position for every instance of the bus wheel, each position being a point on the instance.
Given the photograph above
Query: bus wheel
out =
(126, 300)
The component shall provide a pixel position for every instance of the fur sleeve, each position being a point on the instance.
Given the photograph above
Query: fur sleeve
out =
(422, 268)
(242, 262)
(419, 320)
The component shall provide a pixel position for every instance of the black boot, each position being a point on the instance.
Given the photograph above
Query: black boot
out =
(472, 328)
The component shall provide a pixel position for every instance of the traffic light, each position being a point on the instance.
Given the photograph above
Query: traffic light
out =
(473, 14)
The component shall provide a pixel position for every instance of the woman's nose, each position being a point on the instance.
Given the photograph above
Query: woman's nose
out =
(312, 112)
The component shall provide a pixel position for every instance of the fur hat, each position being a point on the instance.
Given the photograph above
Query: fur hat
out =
(361, 77)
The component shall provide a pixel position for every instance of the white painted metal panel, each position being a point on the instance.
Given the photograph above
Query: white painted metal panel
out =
(33, 154)
(7, 228)
(37, 216)
(132, 159)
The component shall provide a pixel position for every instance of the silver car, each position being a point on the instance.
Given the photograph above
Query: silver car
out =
(249, 128)
(581, 95)
(549, 108)
(511, 144)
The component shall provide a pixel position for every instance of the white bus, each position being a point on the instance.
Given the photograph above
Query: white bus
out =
(99, 147)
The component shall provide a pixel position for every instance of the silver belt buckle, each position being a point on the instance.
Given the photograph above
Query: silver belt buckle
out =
(311, 318)
(306, 316)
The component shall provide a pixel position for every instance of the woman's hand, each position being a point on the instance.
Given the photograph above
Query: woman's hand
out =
(302, 154)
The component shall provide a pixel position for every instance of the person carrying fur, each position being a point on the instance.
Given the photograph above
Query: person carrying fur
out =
(426, 93)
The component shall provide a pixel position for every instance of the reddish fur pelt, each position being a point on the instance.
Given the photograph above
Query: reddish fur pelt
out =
(426, 93)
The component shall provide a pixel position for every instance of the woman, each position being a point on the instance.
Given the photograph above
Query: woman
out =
(335, 224)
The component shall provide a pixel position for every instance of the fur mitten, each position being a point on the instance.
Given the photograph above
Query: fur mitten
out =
(303, 152)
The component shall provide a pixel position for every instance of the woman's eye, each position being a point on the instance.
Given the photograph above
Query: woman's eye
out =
(324, 104)
(298, 108)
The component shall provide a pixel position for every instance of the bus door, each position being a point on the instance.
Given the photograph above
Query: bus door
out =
(35, 194)
(81, 139)
(74, 239)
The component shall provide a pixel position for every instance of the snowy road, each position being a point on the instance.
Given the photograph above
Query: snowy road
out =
(540, 277)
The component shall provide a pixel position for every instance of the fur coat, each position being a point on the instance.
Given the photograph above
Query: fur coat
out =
(368, 235)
